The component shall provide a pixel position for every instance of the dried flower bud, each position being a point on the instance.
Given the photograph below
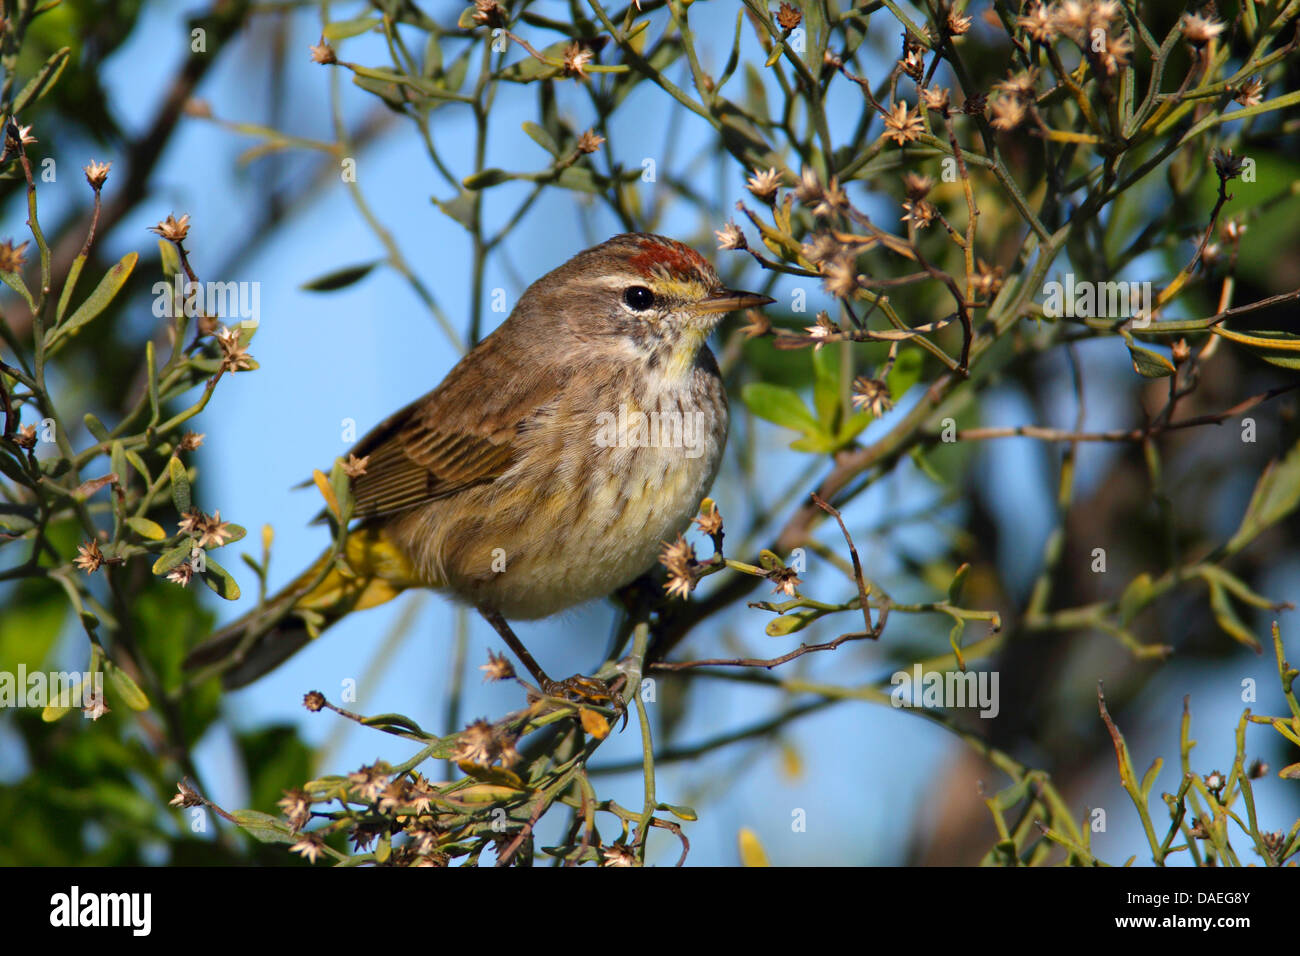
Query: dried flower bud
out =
(903, 124)
(917, 185)
(935, 98)
(1227, 165)
(12, 257)
(764, 184)
(1250, 93)
(497, 668)
(730, 237)
(787, 17)
(89, 558)
(1200, 30)
(872, 394)
(489, 12)
(96, 173)
(323, 53)
(186, 796)
(173, 229)
(576, 59)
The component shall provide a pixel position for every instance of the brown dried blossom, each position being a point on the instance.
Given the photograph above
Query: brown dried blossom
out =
(12, 257)
(323, 53)
(679, 558)
(89, 558)
(903, 124)
(173, 229)
(590, 141)
(872, 394)
(764, 184)
(787, 17)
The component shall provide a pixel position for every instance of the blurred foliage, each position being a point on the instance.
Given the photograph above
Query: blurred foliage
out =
(1018, 145)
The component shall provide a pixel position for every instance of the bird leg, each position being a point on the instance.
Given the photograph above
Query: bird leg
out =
(580, 688)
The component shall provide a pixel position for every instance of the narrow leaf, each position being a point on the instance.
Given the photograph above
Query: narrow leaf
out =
(146, 528)
(41, 83)
(97, 301)
(340, 278)
(180, 485)
(128, 691)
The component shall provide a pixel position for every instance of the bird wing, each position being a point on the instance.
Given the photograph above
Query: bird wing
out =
(462, 434)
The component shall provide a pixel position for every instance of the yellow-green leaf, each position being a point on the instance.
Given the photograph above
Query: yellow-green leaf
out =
(146, 528)
(97, 301)
(180, 485)
(41, 83)
(219, 579)
(127, 690)
(342, 29)
(751, 851)
(1276, 348)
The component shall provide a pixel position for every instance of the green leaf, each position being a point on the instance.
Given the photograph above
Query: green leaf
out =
(454, 78)
(236, 532)
(530, 68)
(1227, 618)
(174, 558)
(169, 258)
(151, 373)
(342, 29)
(580, 179)
(541, 138)
(1276, 495)
(146, 528)
(827, 380)
(15, 524)
(1135, 597)
(816, 444)
(779, 405)
(128, 691)
(1149, 778)
(486, 178)
(13, 471)
(95, 427)
(180, 485)
(789, 623)
(41, 83)
(752, 853)
(340, 278)
(220, 580)
(1147, 363)
(905, 373)
(117, 461)
(460, 209)
(97, 301)
(954, 640)
(264, 827)
(958, 582)
(138, 464)
(400, 721)
(680, 812)
(853, 426)
(1276, 348)
(428, 88)
(14, 281)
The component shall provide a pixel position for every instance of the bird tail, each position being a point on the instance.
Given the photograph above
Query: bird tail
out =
(368, 572)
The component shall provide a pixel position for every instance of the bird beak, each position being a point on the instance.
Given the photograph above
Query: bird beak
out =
(727, 300)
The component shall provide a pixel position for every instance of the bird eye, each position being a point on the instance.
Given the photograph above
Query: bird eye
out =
(638, 297)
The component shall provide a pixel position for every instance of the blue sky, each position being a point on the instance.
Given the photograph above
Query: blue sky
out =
(360, 353)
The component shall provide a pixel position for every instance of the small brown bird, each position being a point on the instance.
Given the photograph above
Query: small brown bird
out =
(546, 470)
